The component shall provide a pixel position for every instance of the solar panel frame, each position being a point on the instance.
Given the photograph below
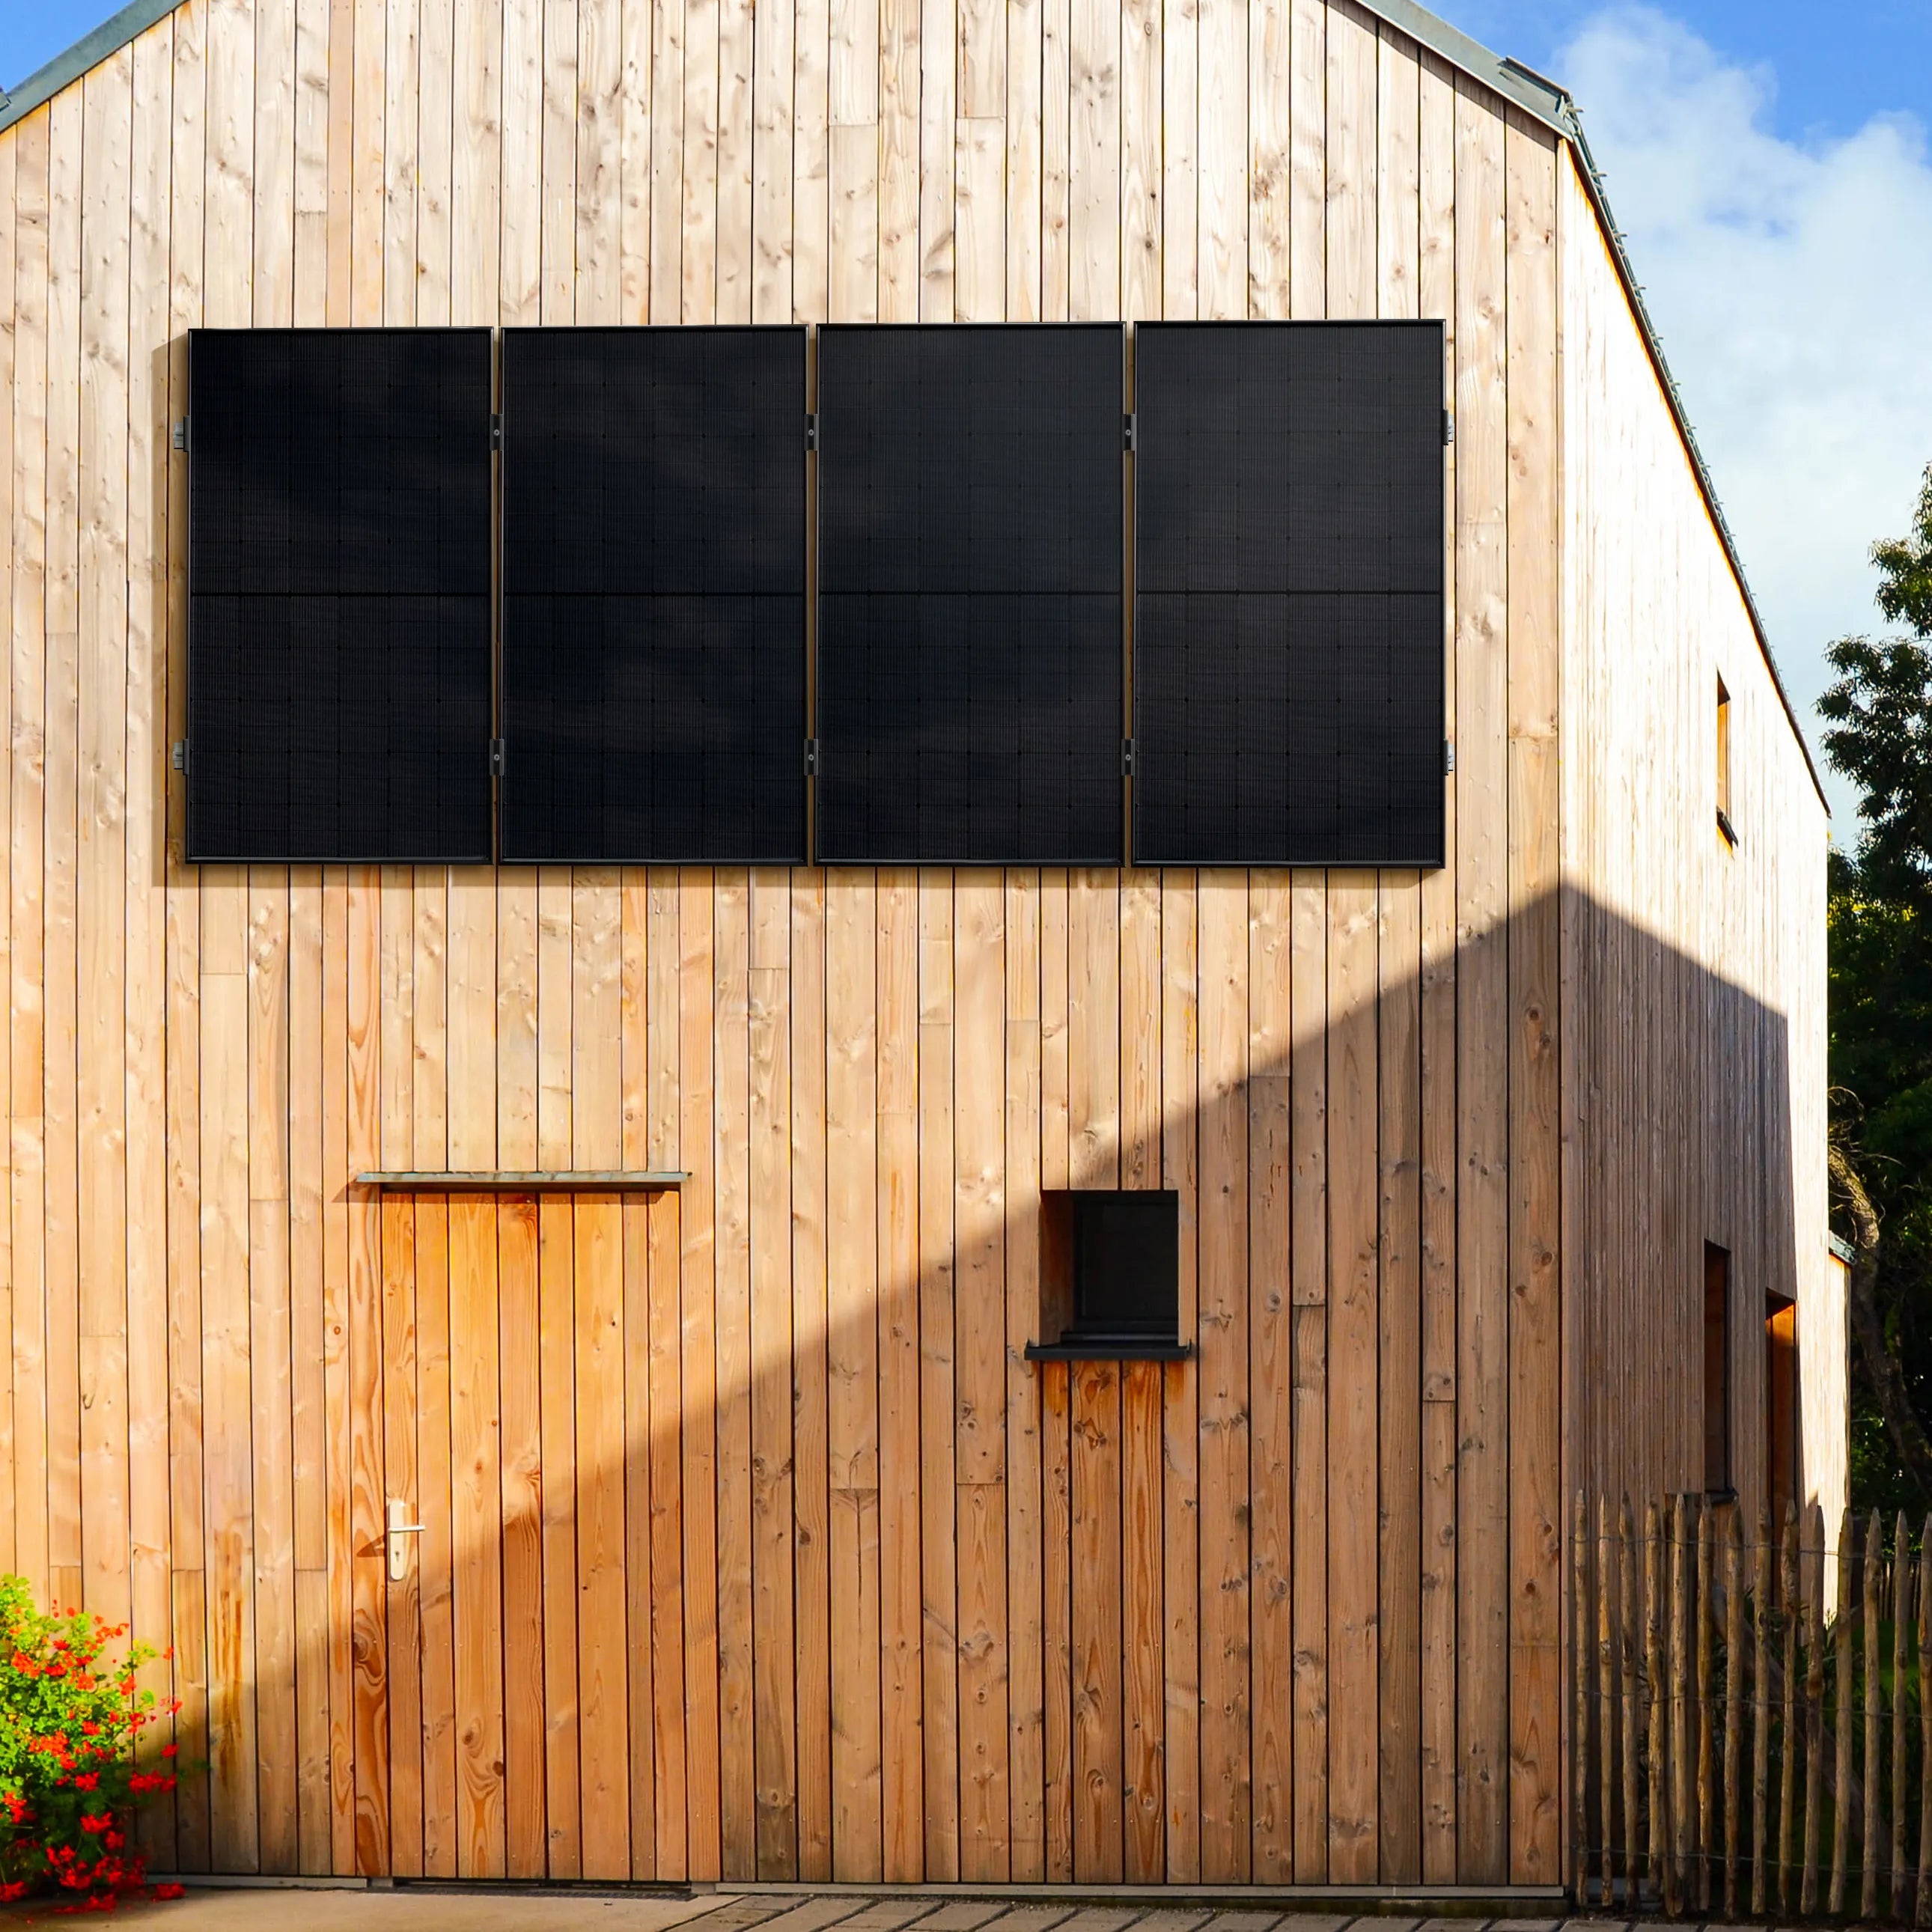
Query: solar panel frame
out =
(339, 565)
(1290, 522)
(991, 573)
(655, 510)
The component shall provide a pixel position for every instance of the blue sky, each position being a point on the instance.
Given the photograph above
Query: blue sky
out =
(1769, 161)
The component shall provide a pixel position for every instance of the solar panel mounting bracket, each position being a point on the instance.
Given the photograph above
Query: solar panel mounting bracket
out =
(1448, 427)
(1127, 430)
(496, 757)
(1126, 757)
(811, 757)
(181, 433)
(1448, 756)
(181, 755)
(810, 431)
(496, 432)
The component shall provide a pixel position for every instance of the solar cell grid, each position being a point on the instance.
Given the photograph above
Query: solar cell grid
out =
(653, 687)
(339, 667)
(969, 617)
(1289, 544)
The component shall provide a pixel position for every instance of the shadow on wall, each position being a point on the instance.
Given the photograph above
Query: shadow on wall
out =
(752, 1544)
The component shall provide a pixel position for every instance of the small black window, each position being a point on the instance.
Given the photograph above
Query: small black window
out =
(1110, 1275)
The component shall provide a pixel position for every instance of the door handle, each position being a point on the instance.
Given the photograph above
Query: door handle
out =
(397, 1529)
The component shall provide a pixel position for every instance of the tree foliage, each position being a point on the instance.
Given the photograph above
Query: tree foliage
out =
(1879, 710)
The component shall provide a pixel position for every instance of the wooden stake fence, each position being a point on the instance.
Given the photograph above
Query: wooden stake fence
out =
(1749, 1729)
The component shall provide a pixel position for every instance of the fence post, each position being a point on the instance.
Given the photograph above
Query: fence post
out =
(1841, 1796)
(1922, 1902)
(1734, 1690)
(1579, 1618)
(1901, 1668)
(1794, 1723)
(1870, 1796)
(1608, 1691)
(1761, 1706)
(1628, 1680)
(1813, 1588)
(1706, 1797)
(1658, 1834)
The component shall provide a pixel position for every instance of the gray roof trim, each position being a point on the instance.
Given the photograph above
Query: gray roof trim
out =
(90, 50)
(1543, 99)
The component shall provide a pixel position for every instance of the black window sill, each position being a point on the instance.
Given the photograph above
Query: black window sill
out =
(1074, 1350)
(1725, 826)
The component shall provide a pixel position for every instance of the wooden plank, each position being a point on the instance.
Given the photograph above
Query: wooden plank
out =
(1056, 90)
(60, 833)
(939, 1606)
(1270, 150)
(556, 285)
(1308, 157)
(978, 1371)
(698, 296)
(1308, 1288)
(1399, 1616)
(1535, 1233)
(26, 795)
(1180, 1546)
(1098, 1849)
(770, 1120)
(1222, 183)
(811, 210)
(665, 1634)
(697, 1020)
(397, 1219)
(1271, 1367)
(498, 1047)
(1026, 1750)
(596, 996)
(398, 59)
(938, 134)
(98, 936)
(158, 1827)
(599, 198)
(1399, 974)
(737, 1801)
(812, 1691)
(1437, 1804)
(556, 1371)
(1482, 990)
(733, 218)
(774, 57)
(1056, 1398)
(851, 1351)
(1226, 1843)
(1023, 141)
(1353, 1334)
(367, 1480)
(666, 181)
(901, 1474)
(145, 1157)
(640, 1676)
(1142, 1698)
(899, 51)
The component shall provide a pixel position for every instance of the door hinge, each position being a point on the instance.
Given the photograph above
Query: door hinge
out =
(1127, 432)
(811, 757)
(1126, 757)
(181, 755)
(495, 432)
(1448, 428)
(1448, 754)
(496, 757)
(181, 433)
(810, 431)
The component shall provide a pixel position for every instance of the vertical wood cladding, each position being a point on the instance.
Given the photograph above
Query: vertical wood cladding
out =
(755, 1547)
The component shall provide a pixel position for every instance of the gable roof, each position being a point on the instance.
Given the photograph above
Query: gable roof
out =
(1542, 99)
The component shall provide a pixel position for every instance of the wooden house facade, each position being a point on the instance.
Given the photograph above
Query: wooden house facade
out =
(751, 1542)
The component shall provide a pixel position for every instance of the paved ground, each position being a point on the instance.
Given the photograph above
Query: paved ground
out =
(281, 1909)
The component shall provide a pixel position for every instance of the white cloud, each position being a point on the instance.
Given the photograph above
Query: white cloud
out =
(1792, 285)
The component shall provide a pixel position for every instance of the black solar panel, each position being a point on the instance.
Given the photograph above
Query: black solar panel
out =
(339, 594)
(1288, 607)
(654, 557)
(969, 608)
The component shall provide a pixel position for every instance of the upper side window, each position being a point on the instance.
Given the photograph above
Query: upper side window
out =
(1725, 823)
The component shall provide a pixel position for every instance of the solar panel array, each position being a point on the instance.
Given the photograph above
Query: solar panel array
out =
(1289, 615)
(339, 648)
(969, 615)
(654, 553)
(1288, 610)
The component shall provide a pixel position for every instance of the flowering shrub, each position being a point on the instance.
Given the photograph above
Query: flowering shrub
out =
(70, 1721)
